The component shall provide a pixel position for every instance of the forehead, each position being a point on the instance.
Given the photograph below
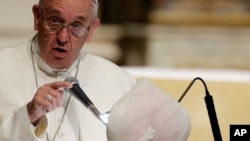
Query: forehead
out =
(71, 8)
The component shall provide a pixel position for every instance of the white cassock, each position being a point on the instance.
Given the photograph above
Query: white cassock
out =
(146, 113)
(103, 82)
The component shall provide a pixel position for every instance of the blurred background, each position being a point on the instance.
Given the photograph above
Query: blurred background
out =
(163, 33)
(170, 42)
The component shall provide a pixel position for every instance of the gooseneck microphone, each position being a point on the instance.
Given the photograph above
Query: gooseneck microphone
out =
(210, 109)
(82, 97)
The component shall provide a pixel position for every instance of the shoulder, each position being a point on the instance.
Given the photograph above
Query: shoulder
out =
(15, 64)
(6, 51)
(14, 57)
(17, 51)
(96, 66)
(96, 62)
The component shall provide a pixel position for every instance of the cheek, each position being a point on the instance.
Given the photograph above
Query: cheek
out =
(76, 49)
(46, 40)
(78, 45)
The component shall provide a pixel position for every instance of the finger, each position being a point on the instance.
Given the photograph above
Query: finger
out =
(47, 101)
(44, 104)
(59, 84)
(39, 106)
(56, 97)
(61, 97)
(48, 109)
(52, 89)
(53, 102)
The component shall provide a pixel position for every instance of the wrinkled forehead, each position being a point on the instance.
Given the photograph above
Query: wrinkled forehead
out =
(85, 7)
(95, 1)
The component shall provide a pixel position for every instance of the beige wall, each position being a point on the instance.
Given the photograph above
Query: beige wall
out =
(16, 21)
(16, 13)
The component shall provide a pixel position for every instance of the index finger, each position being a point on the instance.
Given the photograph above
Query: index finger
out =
(60, 84)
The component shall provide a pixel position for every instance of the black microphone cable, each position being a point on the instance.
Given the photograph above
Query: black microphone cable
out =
(210, 109)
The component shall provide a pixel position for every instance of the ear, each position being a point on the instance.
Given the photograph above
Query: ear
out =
(93, 27)
(36, 14)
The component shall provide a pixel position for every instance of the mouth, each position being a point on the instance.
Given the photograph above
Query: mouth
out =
(60, 50)
(60, 53)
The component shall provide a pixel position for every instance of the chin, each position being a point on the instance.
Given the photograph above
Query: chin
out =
(59, 65)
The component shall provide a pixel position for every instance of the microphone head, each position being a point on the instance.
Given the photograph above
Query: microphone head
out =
(72, 80)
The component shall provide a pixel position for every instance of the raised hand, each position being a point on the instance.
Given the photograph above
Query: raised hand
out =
(47, 98)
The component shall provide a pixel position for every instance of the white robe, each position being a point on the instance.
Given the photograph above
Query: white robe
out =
(102, 81)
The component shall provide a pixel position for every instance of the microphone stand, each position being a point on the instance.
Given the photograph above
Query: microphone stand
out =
(210, 109)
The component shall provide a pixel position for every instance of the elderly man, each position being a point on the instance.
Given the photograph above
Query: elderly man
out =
(34, 105)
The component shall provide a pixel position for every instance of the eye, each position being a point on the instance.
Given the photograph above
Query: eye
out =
(55, 21)
(76, 26)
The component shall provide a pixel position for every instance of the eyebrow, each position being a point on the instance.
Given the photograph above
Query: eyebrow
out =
(55, 11)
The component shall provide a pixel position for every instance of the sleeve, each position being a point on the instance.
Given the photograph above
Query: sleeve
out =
(16, 126)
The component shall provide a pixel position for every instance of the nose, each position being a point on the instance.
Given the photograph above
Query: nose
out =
(62, 36)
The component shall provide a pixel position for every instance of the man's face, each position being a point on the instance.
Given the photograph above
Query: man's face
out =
(63, 27)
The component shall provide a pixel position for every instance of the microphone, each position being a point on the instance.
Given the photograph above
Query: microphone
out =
(210, 109)
(77, 92)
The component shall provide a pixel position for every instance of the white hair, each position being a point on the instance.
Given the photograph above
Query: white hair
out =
(95, 7)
